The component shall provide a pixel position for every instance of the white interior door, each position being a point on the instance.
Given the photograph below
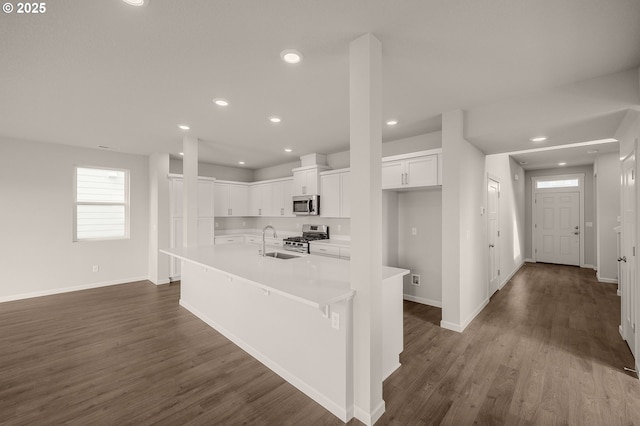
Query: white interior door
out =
(558, 227)
(493, 233)
(628, 289)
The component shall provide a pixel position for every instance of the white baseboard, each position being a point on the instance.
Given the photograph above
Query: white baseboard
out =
(460, 327)
(588, 266)
(516, 269)
(620, 331)
(451, 326)
(606, 280)
(530, 260)
(618, 292)
(367, 418)
(161, 282)
(475, 313)
(70, 289)
(342, 413)
(430, 302)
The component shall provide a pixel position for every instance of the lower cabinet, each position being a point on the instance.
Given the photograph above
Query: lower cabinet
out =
(330, 251)
(231, 239)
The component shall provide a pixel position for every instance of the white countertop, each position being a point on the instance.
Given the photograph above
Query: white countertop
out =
(314, 280)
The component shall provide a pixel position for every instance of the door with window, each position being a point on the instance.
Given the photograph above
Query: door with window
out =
(558, 228)
(557, 219)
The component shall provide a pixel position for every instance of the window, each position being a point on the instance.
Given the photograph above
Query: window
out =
(101, 204)
(561, 183)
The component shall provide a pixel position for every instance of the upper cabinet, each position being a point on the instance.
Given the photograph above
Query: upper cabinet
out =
(415, 170)
(306, 180)
(334, 193)
(231, 199)
(271, 198)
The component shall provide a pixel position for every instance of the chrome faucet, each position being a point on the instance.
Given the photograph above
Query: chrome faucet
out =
(275, 235)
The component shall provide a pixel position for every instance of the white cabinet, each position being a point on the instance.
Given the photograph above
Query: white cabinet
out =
(324, 250)
(206, 231)
(306, 180)
(330, 250)
(176, 197)
(206, 220)
(268, 241)
(282, 198)
(334, 194)
(271, 198)
(411, 170)
(231, 199)
(229, 239)
(205, 199)
(261, 201)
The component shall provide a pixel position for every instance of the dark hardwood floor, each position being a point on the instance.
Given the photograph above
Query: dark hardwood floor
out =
(546, 350)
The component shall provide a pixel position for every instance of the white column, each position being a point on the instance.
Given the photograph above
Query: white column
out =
(190, 191)
(452, 138)
(365, 96)
(158, 217)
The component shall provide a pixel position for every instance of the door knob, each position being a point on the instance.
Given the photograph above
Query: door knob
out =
(622, 259)
(576, 227)
(491, 246)
(576, 233)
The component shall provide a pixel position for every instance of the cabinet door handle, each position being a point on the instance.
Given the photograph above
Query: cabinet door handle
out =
(282, 212)
(259, 212)
(229, 212)
(406, 178)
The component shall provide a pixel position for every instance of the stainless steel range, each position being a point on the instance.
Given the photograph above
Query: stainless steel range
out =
(309, 233)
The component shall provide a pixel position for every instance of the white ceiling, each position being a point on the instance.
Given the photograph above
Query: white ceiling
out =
(105, 73)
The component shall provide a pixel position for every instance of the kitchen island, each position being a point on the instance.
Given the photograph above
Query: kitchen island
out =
(293, 315)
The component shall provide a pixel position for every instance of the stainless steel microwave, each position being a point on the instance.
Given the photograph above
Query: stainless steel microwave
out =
(306, 205)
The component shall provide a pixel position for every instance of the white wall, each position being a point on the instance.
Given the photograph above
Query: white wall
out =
(589, 209)
(217, 171)
(464, 258)
(473, 233)
(607, 169)
(340, 160)
(421, 253)
(36, 223)
(512, 217)
(275, 172)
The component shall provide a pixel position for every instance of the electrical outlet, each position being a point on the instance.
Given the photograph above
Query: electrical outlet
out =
(415, 279)
(96, 268)
(414, 231)
(335, 320)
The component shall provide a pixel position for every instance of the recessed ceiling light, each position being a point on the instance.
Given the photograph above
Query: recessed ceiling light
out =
(592, 151)
(135, 2)
(562, 164)
(183, 127)
(288, 150)
(241, 162)
(182, 153)
(291, 56)
(392, 122)
(523, 163)
(275, 119)
(221, 102)
(538, 139)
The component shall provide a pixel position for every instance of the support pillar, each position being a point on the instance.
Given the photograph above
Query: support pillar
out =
(190, 191)
(365, 97)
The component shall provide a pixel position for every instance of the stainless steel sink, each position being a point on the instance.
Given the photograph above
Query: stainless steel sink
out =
(279, 255)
